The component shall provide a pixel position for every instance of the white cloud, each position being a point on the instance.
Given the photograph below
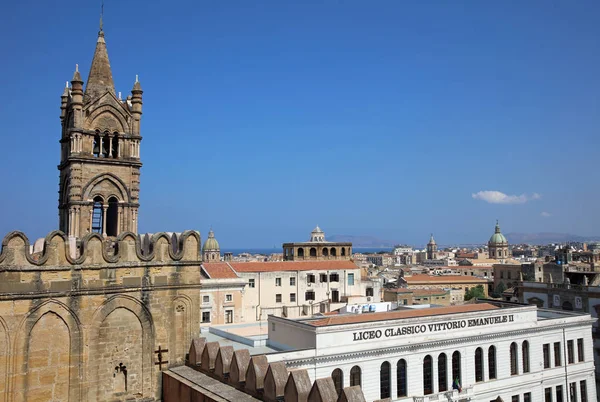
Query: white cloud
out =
(498, 197)
(546, 214)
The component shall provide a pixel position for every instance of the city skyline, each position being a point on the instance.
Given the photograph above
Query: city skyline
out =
(401, 121)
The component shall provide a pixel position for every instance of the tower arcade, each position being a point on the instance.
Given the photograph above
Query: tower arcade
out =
(100, 153)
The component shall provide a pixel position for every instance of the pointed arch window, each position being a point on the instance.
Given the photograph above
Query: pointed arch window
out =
(355, 376)
(525, 356)
(338, 380)
(442, 372)
(97, 215)
(427, 375)
(384, 380)
(513, 359)
(401, 389)
(112, 217)
(478, 365)
(492, 362)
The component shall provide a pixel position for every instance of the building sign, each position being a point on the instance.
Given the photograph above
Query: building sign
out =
(578, 303)
(418, 329)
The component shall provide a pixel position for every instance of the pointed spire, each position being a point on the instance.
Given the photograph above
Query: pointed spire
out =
(136, 85)
(497, 226)
(76, 75)
(100, 79)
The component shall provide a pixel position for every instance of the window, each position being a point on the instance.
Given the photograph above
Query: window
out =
(293, 297)
(546, 355)
(205, 299)
(478, 365)
(323, 278)
(293, 281)
(559, 393)
(513, 359)
(442, 373)
(401, 387)
(501, 274)
(573, 392)
(350, 279)
(338, 380)
(508, 276)
(277, 281)
(310, 295)
(206, 316)
(355, 376)
(228, 316)
(570, 352)
(278, 298)
(228, 298)
(456, 377)
(427, 375)
(310, 278)
(515, 398)
(583, 391)
(384, 380)
(548, 395)
(334, 278)
(557, 354)
(492, 362)
(369, 292)
(250, 283)
(580, 353)
(525, 356)
(527, 397)
(272, 326)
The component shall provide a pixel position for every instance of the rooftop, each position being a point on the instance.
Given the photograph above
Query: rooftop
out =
(397, 315)
(219, 270)
(421, 278)
(276, 266)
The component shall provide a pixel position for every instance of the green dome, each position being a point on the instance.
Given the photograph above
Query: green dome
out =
(211, 243)
(497, 237)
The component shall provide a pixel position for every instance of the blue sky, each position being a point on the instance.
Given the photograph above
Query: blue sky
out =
(265, 118)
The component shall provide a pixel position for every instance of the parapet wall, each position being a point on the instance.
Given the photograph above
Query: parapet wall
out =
(255, 376)
(58, 250)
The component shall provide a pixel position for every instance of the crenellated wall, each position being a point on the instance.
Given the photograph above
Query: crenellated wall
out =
(246, 378)
(85, 320)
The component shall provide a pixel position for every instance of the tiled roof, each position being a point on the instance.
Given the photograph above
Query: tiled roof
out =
(400, 314)
(276, 266)
(418, 292)
(219, 270)
(411, 280)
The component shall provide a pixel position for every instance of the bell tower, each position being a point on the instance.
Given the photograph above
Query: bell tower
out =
(100, 153)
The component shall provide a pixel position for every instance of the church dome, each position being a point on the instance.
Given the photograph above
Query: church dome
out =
(317, 235)
(211, 243)
(497, 237)
(431, 240)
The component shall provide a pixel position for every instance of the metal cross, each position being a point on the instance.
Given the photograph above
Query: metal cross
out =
(160, 361)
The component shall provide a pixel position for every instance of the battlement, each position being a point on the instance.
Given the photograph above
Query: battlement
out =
(57, 250)
(246, 378)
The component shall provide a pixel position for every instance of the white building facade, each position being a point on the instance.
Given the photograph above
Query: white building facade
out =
(484, 351)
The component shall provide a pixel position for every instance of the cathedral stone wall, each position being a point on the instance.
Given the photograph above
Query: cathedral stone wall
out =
(86, 323)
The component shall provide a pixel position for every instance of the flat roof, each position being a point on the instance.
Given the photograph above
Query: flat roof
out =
(443, 278)
(343, 319)
(275, 266)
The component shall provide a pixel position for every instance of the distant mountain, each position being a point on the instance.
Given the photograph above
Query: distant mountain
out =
(362, 241)
(545, 238)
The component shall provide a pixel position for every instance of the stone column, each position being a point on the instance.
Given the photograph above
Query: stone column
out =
(119, 209)
(101, 147)
(118, 147)
(104, 208)
(70, 222)
(91, 215)
(76, 231)
(110, 140)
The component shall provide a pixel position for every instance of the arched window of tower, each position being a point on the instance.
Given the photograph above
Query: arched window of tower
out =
(96, 146)
(112, 217)
(97, 215)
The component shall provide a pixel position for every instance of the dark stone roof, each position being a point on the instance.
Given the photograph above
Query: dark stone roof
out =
(100, 79)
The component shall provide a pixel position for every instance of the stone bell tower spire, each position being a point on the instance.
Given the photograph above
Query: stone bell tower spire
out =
(100, 159)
